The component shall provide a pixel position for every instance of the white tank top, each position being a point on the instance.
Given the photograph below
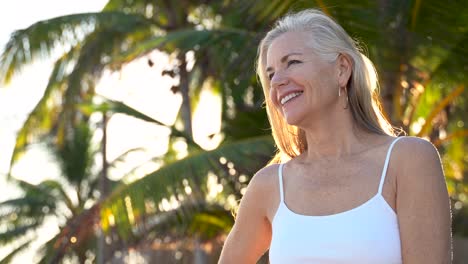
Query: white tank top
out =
(365, 234)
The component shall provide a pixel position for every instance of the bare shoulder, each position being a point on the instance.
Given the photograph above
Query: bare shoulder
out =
(251, 234)
(408, 146)
(257, 198)
(265, 178)
(263, 190)
(422, 202)
(263, 185)
(415, 155)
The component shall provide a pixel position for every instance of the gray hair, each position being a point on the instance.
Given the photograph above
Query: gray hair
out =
(328, 40)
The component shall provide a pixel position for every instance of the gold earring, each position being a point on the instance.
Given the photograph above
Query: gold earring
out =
(347, 99)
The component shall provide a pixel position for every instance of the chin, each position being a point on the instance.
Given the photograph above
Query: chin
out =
(301, 119)
(293, 120)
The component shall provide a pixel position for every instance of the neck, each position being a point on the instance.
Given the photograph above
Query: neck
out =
(333, 137)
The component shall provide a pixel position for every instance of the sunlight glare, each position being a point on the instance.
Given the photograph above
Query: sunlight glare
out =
(128, 206)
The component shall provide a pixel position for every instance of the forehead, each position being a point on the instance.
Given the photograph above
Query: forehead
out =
(287, 43)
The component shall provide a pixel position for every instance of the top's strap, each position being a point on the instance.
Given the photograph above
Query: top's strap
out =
(280, 177)
(387, 160)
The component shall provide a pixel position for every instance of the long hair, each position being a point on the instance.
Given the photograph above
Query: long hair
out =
(328, 41)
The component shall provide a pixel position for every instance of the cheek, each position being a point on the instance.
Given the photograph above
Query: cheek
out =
(322, 84)
(273, 96)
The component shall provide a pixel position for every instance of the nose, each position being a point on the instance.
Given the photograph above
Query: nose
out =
(278, 80)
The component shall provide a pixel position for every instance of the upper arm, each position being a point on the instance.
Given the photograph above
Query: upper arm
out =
(423, 204)
(250, 236)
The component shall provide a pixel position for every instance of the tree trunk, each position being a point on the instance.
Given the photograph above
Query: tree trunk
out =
(103, 249)
(199, 255)
(391, 75)
(185, 108)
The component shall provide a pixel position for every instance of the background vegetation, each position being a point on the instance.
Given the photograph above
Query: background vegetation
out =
(418, 47)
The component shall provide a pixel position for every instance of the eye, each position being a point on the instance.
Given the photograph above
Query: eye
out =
(270, 76)
(291, 62)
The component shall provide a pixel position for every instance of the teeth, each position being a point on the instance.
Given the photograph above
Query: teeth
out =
(289, 97)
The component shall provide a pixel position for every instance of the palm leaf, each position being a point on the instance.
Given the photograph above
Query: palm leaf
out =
(438, 108)
(74, 155)
(39, 120)
(115, 107)
(8, 258)
(184, 40)
(451, 136)
(79, 228)
(48, 250)
(130, 204)
(67, 88)
(18, 231)
(40, 39)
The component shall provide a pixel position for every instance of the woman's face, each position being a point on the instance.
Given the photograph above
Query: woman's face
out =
(303, 86)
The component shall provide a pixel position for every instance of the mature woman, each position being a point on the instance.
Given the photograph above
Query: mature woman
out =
(346, 190)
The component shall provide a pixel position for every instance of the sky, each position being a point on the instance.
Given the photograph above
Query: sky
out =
(137, 85)
(14, 105)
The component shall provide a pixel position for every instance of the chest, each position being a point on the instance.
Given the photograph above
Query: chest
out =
(368, 234)
(326, 189)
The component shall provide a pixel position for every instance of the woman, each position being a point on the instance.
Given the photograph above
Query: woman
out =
(346, 189)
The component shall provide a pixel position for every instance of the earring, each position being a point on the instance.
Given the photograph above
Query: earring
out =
(347, 99)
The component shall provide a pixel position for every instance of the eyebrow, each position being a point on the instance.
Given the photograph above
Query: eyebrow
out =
(283, 59)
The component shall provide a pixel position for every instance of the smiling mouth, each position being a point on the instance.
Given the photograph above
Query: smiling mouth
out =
(289, 97)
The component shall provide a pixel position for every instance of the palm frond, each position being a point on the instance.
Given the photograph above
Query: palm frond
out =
(26, 205)
(77, 227)
(35, 198)
(74, 155)
(38, 201)
(47, 250)
(184, 40)
(115, 107)
(439, 107)
(18, 231)
(8, 258)
(39, 121)
(40, 39)
(451, 136)
(185, 180)
(56, 189)
(203, 220)
(68, 87)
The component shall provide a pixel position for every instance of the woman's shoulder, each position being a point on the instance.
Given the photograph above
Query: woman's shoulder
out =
(265, 178)
(265, 182)
(412, 149)
(416, 160)
(261, 190)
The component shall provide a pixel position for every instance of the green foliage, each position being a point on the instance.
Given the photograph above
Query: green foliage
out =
(419, 65)
(130, 209)
(8, 258)
(93, 37)
(40, 39)
(418, 48)
(22, 216)
(114, 107)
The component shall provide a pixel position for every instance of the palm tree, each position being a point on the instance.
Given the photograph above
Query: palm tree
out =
(54, 198)
(419, 58)
(418, 91)
(91, 39)
(89, 54)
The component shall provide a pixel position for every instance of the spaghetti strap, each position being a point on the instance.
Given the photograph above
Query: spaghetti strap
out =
(280, 178)
(387, 160)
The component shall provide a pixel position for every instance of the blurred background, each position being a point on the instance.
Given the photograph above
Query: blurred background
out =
(131, 128)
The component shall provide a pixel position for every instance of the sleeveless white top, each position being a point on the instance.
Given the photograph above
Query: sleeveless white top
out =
(368, 233)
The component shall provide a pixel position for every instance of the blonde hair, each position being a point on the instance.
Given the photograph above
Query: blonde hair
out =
(329, 40)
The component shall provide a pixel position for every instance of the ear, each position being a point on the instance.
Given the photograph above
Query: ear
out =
(344, 68)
